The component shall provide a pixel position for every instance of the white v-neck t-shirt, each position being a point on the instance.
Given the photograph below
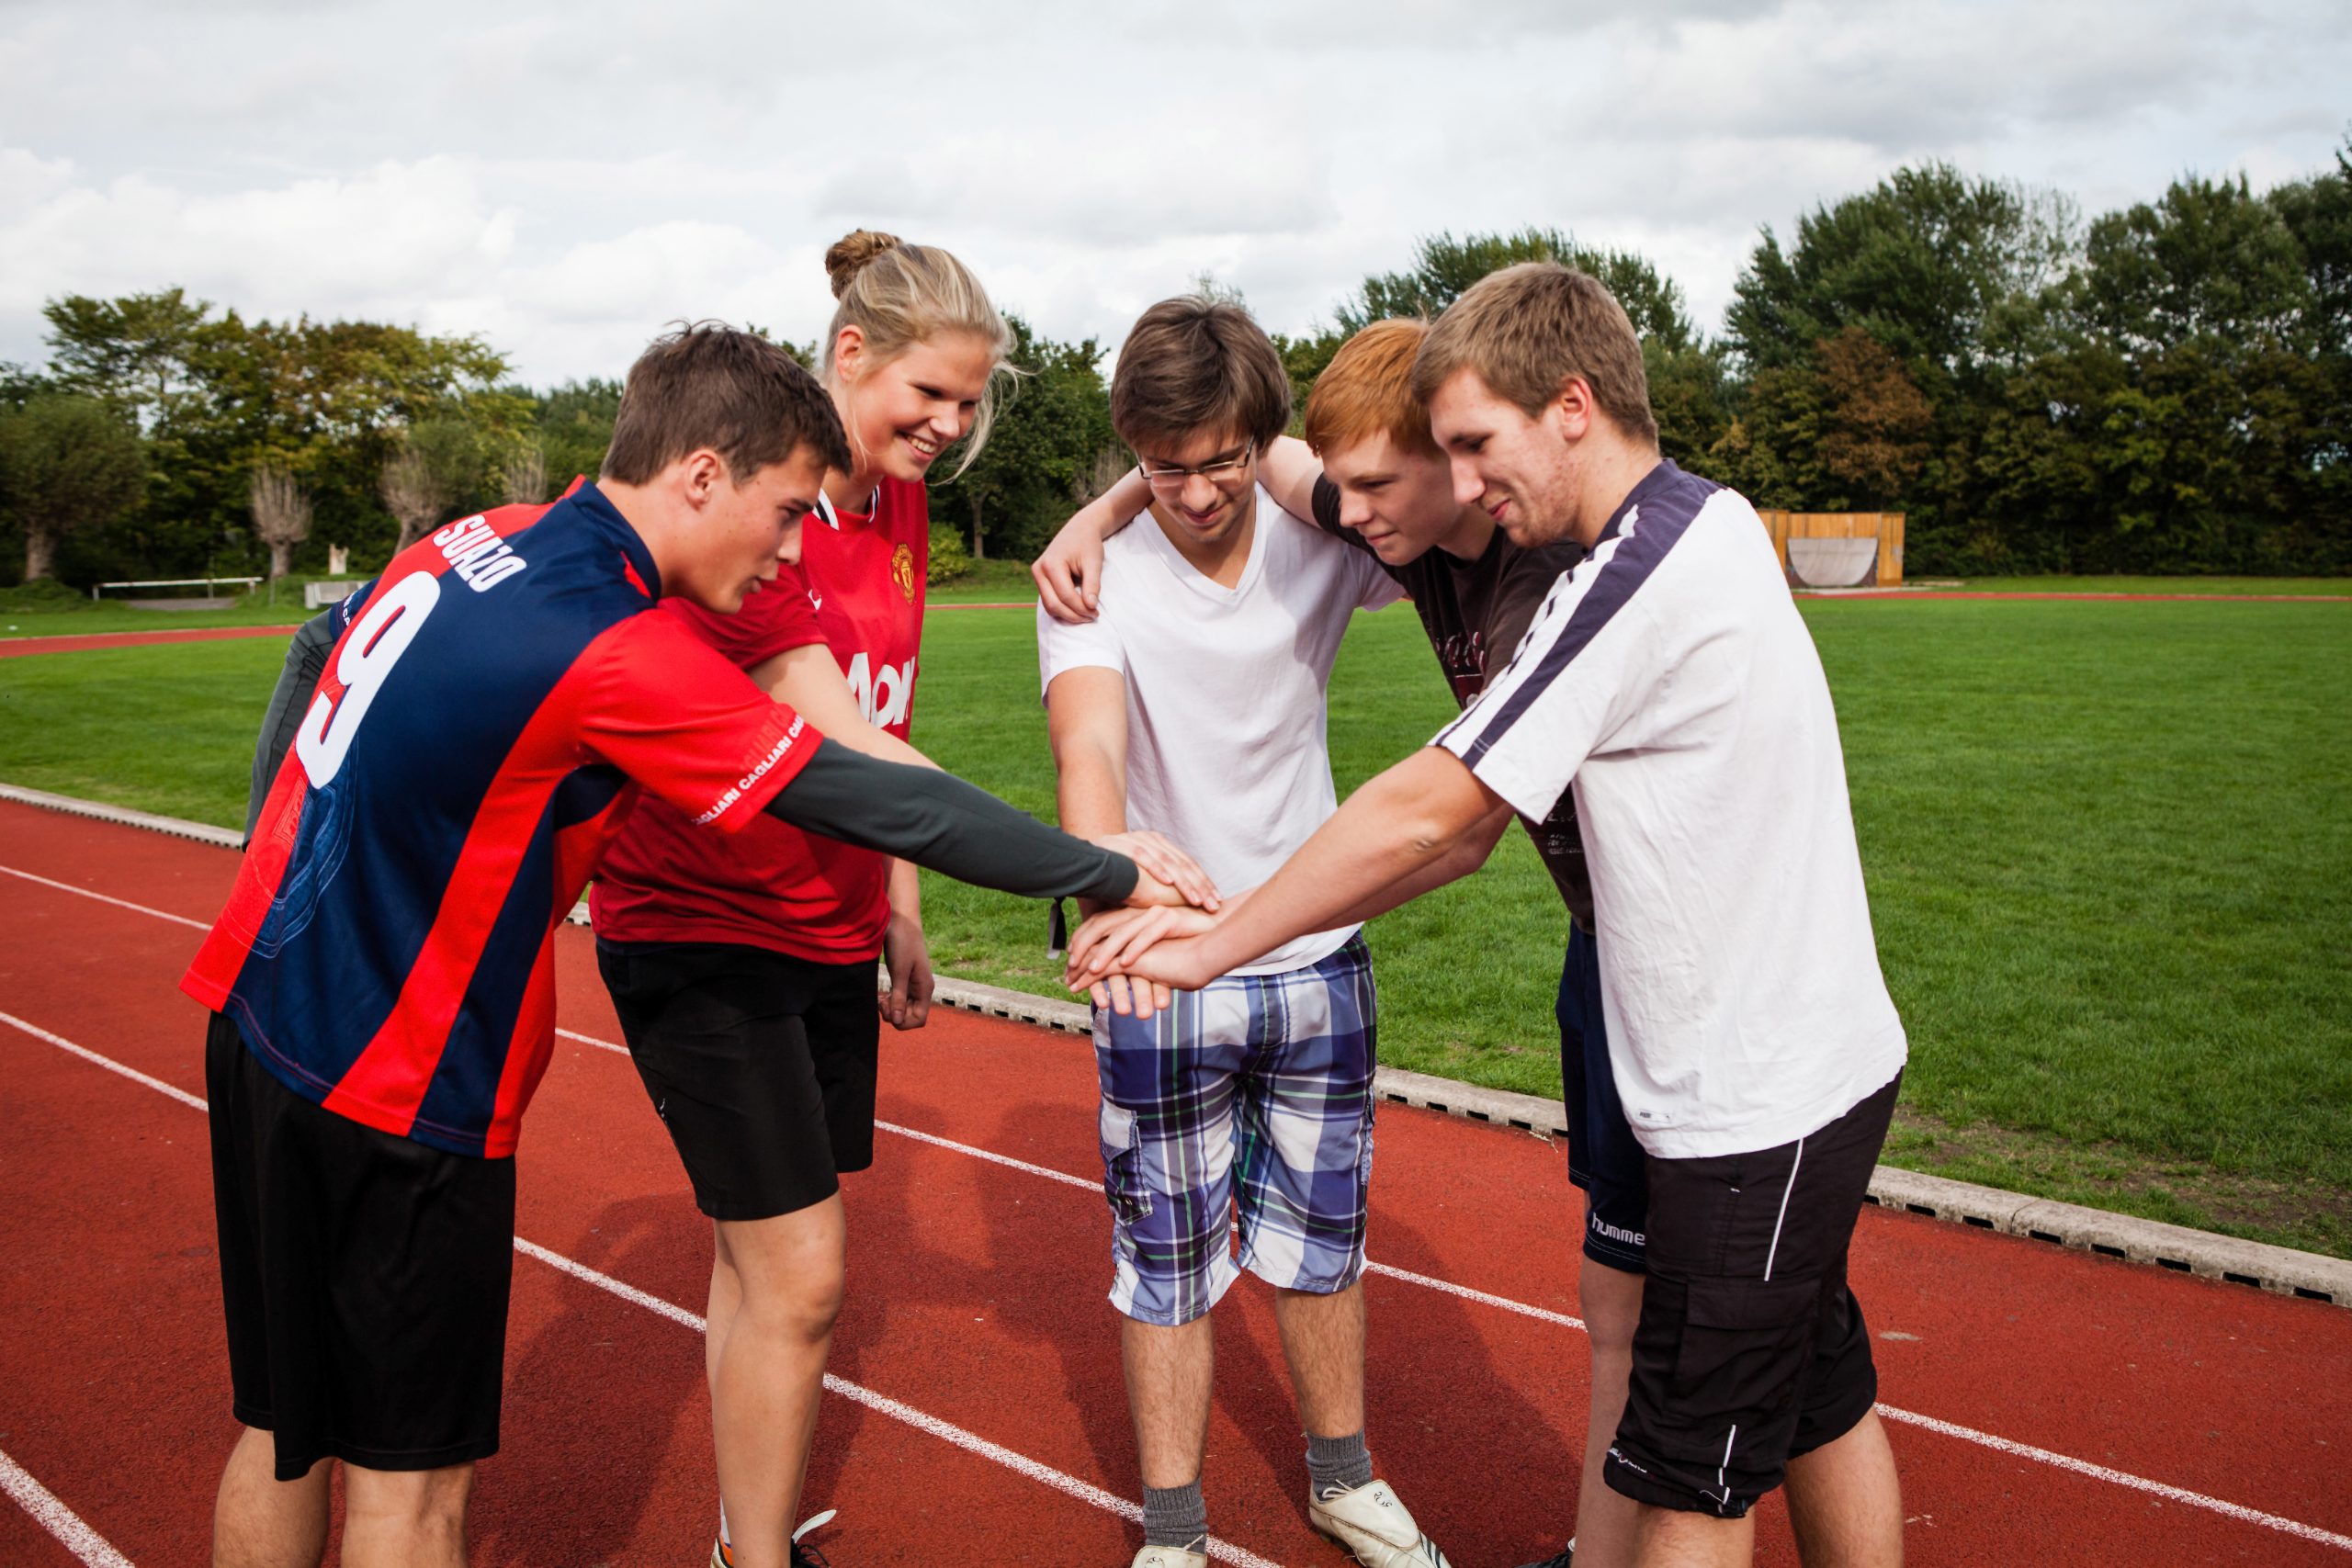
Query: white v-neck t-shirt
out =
(1227, 752)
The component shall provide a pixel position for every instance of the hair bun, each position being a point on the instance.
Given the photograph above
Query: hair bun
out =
(851, 252)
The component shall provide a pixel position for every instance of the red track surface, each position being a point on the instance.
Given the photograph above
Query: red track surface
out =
(977, 1300)
(82, 642)
(1918, 594)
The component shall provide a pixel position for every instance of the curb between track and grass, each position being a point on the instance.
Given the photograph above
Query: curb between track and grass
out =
(2278, 1269)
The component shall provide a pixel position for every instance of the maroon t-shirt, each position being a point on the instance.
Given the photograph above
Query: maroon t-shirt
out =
(1476, 612)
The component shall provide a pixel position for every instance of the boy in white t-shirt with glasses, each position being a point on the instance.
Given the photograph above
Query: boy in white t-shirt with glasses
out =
(1194, 707)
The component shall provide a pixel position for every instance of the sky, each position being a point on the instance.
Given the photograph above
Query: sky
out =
(563, 180)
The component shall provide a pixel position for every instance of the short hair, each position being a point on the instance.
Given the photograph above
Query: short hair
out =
(899, 295)
(1527, 329)
(1367, 390)
(1193, 364)
(707, 384)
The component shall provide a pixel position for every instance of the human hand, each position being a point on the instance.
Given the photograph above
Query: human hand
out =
(1129, 960)
(1070, 574)
(906, 955)
(1162, 862)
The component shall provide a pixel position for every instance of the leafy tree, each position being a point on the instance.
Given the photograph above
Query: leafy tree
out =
(573, 424)
(1943, 269)
(281, 516)
(2207, 259)
(67, 464)
(137, 353)
(1444, 268)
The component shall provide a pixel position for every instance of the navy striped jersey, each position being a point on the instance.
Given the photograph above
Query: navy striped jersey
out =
(495, 701)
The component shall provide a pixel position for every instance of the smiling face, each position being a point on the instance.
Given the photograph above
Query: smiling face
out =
(742, 532)
(1400, 502)
(902, 412)
(1519, 470)
(1205, 511)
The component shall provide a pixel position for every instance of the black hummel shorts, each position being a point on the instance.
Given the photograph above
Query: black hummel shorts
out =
(761, 1065)
(1750, 1351)
(364, 1277)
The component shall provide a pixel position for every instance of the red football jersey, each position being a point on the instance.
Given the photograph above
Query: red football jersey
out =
(772, 886)
(496, 701)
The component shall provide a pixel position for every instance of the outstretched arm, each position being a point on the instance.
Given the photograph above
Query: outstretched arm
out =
(1422, 823)
(937, 820)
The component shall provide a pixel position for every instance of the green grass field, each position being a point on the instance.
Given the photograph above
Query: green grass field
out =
(2109, 850)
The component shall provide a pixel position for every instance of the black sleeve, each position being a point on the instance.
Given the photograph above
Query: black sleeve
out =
(305, 660)
(937, 820)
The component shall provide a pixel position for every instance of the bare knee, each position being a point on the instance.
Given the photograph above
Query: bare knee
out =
(428, 1502)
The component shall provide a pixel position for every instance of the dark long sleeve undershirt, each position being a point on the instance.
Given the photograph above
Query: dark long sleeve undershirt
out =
(937, 820)
(919, 814)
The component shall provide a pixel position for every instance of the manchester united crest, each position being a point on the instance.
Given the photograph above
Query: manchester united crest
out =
(902, 571)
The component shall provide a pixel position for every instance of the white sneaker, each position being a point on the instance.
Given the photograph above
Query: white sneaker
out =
(1170, 1557)
(1377, 1528)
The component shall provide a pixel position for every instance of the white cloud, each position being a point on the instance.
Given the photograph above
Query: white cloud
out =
(564, 180)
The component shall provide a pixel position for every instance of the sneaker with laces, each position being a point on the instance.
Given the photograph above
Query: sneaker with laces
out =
(1170, 1557)
(723, 1556)
(1375, 1527)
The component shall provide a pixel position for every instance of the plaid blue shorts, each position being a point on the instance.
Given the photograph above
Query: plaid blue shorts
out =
(1247, 1105)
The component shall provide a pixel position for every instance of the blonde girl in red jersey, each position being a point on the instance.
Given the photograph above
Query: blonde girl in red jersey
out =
(744, 976)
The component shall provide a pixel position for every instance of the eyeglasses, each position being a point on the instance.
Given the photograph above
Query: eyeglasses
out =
(1169, 479)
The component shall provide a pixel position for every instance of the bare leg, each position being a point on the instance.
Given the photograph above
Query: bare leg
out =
(259, 1521)
(1667, 1538)
(775, 1288)
(1169, 1373)
(1846, 1502)
(1611, 1300)
(405, 1518)
(1323, 1342)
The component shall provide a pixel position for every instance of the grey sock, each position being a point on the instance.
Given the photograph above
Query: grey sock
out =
(1177, 1515)
(1337, 1462)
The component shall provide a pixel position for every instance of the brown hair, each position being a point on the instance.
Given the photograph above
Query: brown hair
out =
(898, 295)
(1526, 330)
(707, 384)
(1192, 364)
(1367, 390)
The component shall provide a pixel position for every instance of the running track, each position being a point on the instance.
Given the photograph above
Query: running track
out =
(2095, 1412)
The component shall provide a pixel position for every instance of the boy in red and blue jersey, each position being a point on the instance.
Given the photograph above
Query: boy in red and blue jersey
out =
(382, 976)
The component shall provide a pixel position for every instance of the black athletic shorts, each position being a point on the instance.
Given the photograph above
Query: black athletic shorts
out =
(1604, 1157)
(761, 1065)
(363, 1276)
(1750, 1349)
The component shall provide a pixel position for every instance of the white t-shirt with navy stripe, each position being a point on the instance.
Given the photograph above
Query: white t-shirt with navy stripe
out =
(1227, 752)
(1670, 682)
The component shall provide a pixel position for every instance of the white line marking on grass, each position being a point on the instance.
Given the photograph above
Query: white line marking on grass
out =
(109, 1064)
(57, 1518)
(2121, 1478)
(106, 898)
(2142, 1484)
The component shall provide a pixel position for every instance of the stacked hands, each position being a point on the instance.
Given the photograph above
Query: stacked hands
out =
(1130, 959)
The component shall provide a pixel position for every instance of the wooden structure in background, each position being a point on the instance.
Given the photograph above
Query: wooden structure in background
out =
(1886, 528)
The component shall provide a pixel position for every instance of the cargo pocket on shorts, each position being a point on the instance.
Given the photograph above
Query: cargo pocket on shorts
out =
(1123, 1181)
(1746, 1344)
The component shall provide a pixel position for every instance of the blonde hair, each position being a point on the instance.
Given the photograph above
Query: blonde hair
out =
(898, 295)
(1367, 390)
(1527, 329)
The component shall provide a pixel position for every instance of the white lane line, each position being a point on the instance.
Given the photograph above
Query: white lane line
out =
(1886, 1412)
(947, 1431)
(104, 898)
(57, 1518)
(108, 1063)
(2122, 1478)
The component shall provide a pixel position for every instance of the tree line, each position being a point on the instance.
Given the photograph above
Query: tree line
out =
(2166, 388)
